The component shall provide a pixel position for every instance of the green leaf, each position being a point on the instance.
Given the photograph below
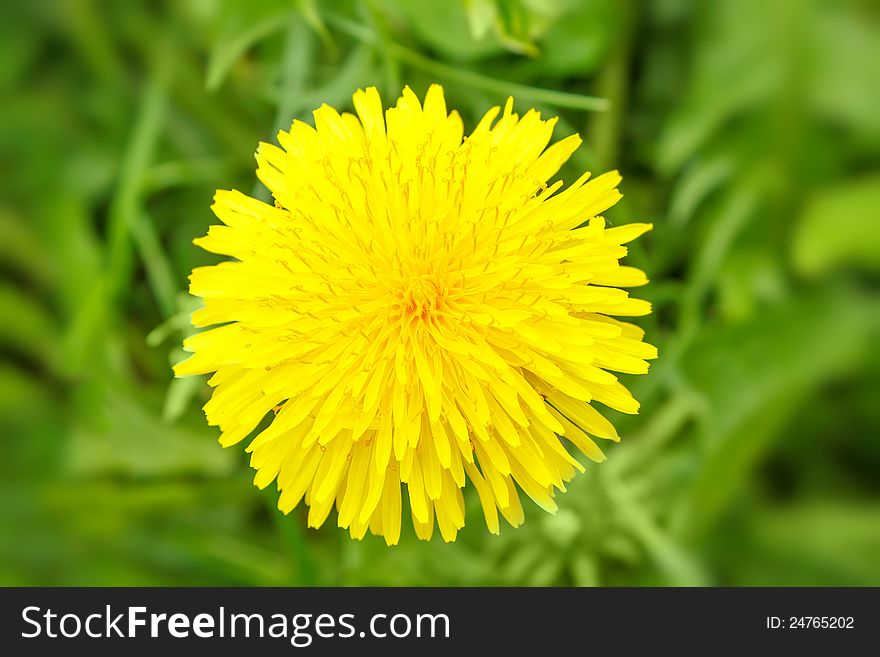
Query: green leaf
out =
(132, 439)
(180, 393)
(695, 184)
(841, 89)
(753, 375)
(33, 329)
(839, 227)
(585, 570)
(810, 543)
(735, 66)
(444, 27)
(471, 78)
(577, 40)
(21, 250)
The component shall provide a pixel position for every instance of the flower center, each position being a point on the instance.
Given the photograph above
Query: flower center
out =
(422, 296)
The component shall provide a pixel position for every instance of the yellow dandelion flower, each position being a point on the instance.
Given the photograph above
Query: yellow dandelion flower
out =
(418, 307)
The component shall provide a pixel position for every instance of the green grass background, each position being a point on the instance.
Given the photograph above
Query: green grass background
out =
(747, 131)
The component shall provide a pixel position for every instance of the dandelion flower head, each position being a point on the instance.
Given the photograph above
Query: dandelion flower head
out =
(419, 309)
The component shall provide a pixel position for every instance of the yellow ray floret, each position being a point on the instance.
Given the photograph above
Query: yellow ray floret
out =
(417, 308)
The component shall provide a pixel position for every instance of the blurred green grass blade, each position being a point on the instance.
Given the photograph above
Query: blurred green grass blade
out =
(33, 331)
(695, 185)
(181, 173)
(522, 562)
(390, 65)
(605, 128)
(125, 207)
(80, 338)
(84, 23)
(230, 555)
(292, 536)
(311, 15)
(467, 77)
(128, 220)
(546, 572)
(20, 250)
(354, 72)
(296, 64)
(80, 278)
(230, 47)
(158, 267)
(179, 322)
(20, 393)
(250, 23)
(725, 224)
(585, 570)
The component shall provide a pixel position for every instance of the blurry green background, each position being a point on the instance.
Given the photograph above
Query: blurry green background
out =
(747, 131)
